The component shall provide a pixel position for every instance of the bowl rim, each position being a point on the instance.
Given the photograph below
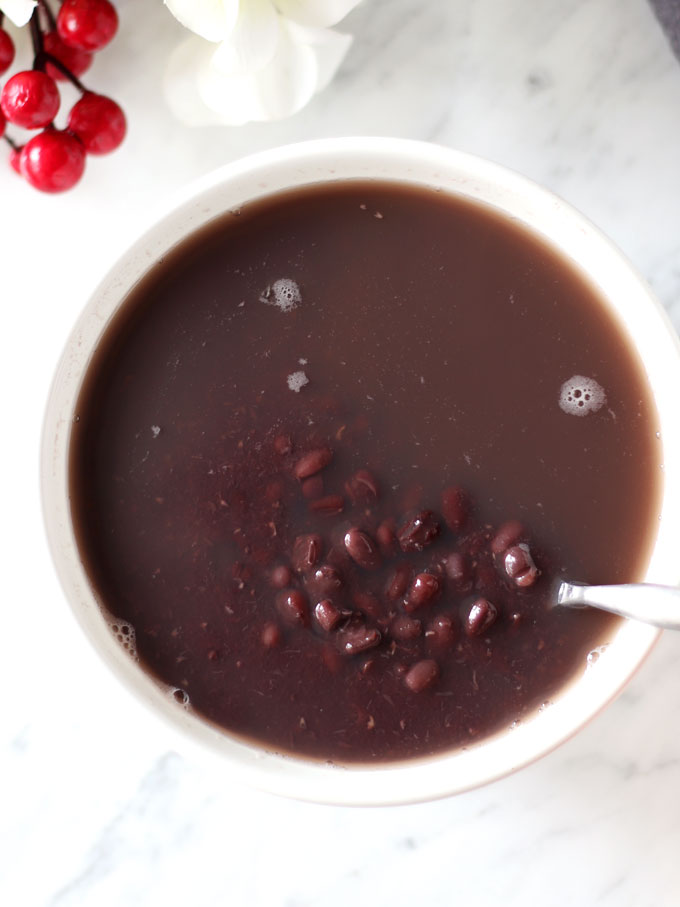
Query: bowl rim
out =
(642, 317)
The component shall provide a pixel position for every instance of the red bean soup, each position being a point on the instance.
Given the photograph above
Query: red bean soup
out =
(333, 455)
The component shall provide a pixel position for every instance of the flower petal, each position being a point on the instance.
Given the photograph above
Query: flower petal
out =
(277, 90)
(316, 13)
(252, 44)
(181, 79)
(288, 82)
(330, 48)
(234, 99)
(199, 91)
(19, 11)
(211, 19)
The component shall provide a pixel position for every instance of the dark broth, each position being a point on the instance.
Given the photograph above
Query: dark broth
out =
(427, 351)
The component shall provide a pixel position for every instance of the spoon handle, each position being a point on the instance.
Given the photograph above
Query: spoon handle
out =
(656, 605)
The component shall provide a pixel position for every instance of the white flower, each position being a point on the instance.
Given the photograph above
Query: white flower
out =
(19, 11)
(271, 57)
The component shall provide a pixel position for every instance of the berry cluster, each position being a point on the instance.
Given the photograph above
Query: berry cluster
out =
(54, 159)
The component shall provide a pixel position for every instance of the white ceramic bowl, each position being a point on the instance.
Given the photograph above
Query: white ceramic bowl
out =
(429, 165)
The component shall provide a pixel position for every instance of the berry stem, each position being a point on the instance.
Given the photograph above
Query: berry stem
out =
(49, 14)
(12, 144)
(43, 58)
(37, 39)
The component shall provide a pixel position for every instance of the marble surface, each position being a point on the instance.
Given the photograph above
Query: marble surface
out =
(95, 807)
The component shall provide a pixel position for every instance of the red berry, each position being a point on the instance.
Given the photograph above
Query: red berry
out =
(30, 99)
(76, 61)
(98, 122)
(15, 159)
(6, 51)
(53, 161)
(3, 123)
(87, 24)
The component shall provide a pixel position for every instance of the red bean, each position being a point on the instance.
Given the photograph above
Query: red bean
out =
(367, 602)
(292, 606)
(398, 582)
(418, 531)
(404, 628)
(507, 535)
(325, 580)
(327, 615)
(480, 617)
(329, 506)
(454, 508)
(358, 638)
(312, 462)
(421, 675)
(520, 566)
(457, 569)
(280, 577)
(331, 659)
(424, 589)
(283, 445)
(307, 550)
(361, 548)
(362, 488)
(312, 487)
(441, 631)
(386, 538)
(271, 636)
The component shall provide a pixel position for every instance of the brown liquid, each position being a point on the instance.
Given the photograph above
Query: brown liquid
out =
(435, 337)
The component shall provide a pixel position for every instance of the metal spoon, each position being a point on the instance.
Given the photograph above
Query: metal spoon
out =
(656, 605)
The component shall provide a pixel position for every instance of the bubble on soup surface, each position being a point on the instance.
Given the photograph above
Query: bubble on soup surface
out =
(284, 294)
(296, 381)
(180, 696)
(580, 396)
(125, 634)
(593, 656)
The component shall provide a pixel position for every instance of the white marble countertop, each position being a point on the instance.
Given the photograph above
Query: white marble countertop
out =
(95, 809)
